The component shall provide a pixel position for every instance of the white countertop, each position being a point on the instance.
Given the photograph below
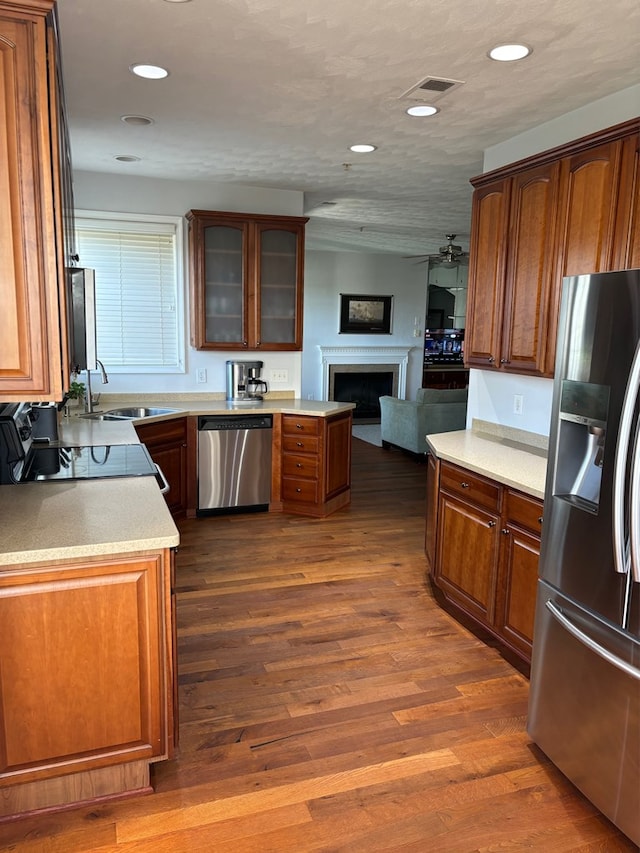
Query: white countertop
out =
(508, 460)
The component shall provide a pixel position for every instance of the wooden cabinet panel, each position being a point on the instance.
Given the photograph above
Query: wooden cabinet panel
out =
(486, 274)
(433, 487)
(468, 542)
(74, 692)
(32, 343)
(627, 231)
(247, 274)
(166, 441)
(486, 549)
(316, 463)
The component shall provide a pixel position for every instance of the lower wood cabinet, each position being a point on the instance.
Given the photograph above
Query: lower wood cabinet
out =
(87, 677)
(166, 441)
(482, 544)
(316, 463)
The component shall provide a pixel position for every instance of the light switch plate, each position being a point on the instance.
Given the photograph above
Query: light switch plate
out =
(279, 375)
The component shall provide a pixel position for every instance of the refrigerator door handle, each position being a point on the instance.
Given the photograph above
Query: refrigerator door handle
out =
(622, 451)
(586, 640)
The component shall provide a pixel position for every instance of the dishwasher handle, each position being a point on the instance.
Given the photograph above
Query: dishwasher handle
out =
(221, 422)
(163, 480)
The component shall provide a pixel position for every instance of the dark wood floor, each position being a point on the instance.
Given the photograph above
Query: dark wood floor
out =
(329, 704)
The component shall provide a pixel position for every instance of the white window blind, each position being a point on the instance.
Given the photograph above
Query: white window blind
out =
(137, 290)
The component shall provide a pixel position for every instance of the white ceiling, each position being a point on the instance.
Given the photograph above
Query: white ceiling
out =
(270, 93)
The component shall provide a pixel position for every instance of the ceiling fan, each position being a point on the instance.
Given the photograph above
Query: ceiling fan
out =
(448, 256)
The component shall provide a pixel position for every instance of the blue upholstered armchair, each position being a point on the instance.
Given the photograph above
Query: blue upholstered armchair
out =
(404, 423)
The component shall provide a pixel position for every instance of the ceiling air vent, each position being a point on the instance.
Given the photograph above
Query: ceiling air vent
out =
(431, 89)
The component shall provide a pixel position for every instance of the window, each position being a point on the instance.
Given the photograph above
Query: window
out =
(139, 304)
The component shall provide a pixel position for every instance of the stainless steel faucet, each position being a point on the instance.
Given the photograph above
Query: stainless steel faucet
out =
(88, 403)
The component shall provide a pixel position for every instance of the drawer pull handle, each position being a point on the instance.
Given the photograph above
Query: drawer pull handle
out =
(299, 444)
(465, 485)
(491, 524)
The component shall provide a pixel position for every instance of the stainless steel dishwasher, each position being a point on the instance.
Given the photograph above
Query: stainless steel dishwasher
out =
(234, 463)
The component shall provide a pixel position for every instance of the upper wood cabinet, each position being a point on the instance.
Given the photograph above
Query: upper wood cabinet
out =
(246, 276)
(33, 351)
(564, 212)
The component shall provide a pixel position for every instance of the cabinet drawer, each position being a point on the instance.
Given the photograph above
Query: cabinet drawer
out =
(293, 425)
(305, 491)
(524, 510)
(471, 487)
(300, 444)
(300, 466)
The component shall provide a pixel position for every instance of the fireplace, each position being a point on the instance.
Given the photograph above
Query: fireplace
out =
(349, 383)
(361, 375)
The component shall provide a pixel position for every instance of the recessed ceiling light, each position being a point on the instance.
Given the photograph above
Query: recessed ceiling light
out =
(126, 158)
(362, 148)
(151, 72)
(137, 120)
(509, 52)
(422, 110)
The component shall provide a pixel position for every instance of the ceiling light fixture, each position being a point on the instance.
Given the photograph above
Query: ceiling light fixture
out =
(422, 110)
(140, 121)
(127, 158)
(509, 52)
(150, 72)
(362, 148)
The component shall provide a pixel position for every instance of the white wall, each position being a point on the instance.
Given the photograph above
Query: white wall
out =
(97, 191)
(491, 395)
(327, 275)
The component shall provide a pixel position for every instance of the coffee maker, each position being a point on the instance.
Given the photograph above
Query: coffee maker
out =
(243, 382)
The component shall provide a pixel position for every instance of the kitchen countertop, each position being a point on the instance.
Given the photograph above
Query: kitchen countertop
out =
(44, 521)
(511, 457)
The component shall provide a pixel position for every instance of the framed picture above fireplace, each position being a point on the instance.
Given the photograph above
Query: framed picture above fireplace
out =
(369, 315)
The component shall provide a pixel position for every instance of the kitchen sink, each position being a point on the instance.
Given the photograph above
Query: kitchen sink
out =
(128, 414)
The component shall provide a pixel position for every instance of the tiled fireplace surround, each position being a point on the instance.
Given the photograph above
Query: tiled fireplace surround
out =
(364, 360)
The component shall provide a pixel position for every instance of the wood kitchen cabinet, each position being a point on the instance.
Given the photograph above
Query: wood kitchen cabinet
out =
(316, 463)
(567, 211)
(33, 348)
(86, 678)
(166, 441)
(486, 550)
(247, 275)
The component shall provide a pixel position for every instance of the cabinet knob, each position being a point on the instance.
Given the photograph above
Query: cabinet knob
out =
(506, 531)
(299, 444)
(504, 361)
(540, 517)
(298, 490)
(298, 464)
(465, 485)
(491, 359)
(245, 343)
(258, 343)
(298, 426)
(491, 524)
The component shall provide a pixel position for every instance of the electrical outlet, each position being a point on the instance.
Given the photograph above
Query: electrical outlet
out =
(201, 375)
(517, 404)
(279, 375)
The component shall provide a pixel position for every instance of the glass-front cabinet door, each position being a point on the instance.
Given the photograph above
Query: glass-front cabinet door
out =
(280, 297)
(246, 281)
(225, 283)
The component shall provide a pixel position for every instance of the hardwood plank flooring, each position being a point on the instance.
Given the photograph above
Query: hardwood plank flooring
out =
(328, 703)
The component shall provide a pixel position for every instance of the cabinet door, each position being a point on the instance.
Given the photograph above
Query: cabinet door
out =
(627, 248)
(530, 292)
(219, 298)
(31, 296)
(166, 441)
(519, 579)
(82, 667)
(487, 255)
(467, 562)
(279, 294)
(337, 455)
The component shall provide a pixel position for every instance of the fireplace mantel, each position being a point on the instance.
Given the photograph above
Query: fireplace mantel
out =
(365, 355)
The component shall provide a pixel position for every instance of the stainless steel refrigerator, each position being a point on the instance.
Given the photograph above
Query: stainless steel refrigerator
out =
(584, 708)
